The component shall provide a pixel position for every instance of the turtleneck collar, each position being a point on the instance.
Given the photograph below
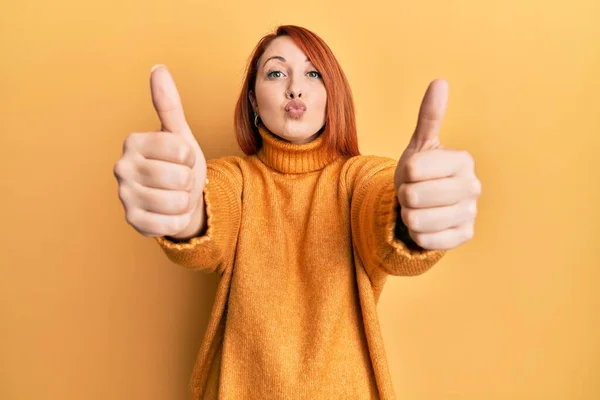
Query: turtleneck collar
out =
(290, 158)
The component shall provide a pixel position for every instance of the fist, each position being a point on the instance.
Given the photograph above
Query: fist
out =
(436, 187)
(161, 175)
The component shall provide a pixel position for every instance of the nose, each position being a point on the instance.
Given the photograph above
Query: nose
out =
(293, 94)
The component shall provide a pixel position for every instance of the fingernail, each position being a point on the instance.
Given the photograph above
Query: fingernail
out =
(156, 66)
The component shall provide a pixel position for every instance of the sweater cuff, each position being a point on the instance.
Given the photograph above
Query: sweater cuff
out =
(172, 243)
(206, 251)
(398, 253)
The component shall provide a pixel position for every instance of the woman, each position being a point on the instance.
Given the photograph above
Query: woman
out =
(303, 230)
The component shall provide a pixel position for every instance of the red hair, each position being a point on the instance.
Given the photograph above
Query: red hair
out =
(339, 135)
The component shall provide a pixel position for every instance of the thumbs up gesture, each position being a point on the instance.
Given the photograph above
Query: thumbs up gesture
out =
(436, 187)
(161, 175)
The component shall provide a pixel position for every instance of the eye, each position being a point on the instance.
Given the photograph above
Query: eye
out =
(275, 74)
(314, 74)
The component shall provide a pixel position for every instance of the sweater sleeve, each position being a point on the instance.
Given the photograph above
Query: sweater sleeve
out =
(378, 232)
(222, 199)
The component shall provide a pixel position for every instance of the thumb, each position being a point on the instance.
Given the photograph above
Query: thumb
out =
(166, 100)
(431, 113)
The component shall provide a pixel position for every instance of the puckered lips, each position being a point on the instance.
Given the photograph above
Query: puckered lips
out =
(295, 108)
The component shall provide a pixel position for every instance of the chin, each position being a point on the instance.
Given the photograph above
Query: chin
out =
(295, 130)
(296, 137)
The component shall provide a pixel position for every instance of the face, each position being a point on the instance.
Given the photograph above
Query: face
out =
(289, 95)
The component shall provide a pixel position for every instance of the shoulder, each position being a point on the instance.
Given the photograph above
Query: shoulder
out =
(227, 168)
(366, 165)
(225, 163)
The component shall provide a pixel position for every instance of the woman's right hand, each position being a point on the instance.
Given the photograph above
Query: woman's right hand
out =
(161, 175)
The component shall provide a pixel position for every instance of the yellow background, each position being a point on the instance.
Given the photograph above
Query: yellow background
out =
(90, 309)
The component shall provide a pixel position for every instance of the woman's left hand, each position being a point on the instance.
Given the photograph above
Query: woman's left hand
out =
(436, 187)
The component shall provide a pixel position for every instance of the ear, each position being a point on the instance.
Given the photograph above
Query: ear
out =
(252, 99)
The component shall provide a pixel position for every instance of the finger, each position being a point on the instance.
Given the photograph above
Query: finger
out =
(446, 239)
(153, 224)
(437, 192)
(166, 147)
(165, 175)
(161, 201)
(166, 100)
(436, 164)
(431, 112)
(431, 220)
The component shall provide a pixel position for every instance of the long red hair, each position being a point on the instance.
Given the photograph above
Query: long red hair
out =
(339, 135)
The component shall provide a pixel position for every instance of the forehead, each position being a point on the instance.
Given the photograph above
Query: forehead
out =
(285, 47)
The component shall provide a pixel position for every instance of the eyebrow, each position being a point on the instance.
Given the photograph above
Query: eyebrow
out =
(280, 59)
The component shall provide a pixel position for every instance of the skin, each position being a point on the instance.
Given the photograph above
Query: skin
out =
(436, 187)
(290, 75)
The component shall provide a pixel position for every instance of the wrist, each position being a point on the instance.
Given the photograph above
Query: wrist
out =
(196, 227)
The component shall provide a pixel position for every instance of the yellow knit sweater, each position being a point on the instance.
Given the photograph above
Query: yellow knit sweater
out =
(303, 245)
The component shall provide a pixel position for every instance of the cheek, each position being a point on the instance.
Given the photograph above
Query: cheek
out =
(265, 96)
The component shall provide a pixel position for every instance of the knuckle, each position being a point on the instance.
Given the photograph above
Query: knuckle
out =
(123, 192)
(409, 195)
(472, 209)
(402, 195)
(420, 239)
(118, 169)
(183, 153)
(132, 217)
(411, 169)
(410, 219)
(468, 159)
(123, 169)
(404, 216)
(129, 142)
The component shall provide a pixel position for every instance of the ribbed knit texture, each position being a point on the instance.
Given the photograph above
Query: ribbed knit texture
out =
(303, 245)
